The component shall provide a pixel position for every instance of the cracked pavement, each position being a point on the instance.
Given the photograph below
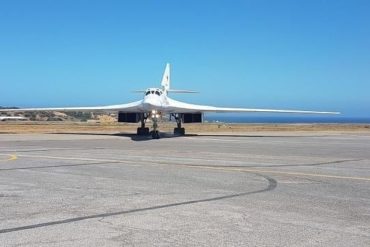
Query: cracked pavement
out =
(251, 190)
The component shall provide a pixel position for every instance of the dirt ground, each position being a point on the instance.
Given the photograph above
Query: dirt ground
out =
(78, 127)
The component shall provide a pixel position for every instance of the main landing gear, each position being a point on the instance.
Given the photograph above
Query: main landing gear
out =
(179, 130)
(142, 131)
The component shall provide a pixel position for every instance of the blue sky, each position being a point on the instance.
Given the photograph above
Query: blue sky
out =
(277, 54)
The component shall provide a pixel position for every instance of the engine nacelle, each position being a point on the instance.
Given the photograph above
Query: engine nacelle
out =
(192, 117)
(129, 117)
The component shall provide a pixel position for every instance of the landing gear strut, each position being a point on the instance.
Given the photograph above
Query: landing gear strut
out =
(155, 132)
(142, 131)
(179, 130)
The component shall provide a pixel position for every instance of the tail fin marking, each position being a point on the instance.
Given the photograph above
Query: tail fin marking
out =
(166, 79)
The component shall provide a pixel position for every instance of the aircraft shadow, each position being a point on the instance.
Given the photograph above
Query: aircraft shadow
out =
(166, 135)
(132, 136)
(253, 136)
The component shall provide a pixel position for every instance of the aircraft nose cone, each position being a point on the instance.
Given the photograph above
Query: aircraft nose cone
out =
(151, 103)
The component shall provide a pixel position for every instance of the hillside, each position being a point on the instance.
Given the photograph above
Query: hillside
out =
(62, 116)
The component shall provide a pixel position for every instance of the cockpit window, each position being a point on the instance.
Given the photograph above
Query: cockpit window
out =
(154, 91)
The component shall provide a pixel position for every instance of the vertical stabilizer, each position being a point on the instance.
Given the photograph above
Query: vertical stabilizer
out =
(166, 79)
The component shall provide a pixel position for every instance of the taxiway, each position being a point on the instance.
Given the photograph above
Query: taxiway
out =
(257, 189)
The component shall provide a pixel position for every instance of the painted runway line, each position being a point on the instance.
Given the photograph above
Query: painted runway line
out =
(229, 169)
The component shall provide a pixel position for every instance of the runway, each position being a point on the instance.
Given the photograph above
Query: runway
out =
(257, 189)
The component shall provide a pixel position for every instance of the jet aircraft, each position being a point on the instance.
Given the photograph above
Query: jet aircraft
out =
(156, 103)
(11, 118)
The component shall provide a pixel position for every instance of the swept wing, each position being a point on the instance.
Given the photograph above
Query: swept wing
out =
(130, 107)
(175, 106)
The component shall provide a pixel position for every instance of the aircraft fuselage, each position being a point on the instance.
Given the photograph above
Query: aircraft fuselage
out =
(154, 100)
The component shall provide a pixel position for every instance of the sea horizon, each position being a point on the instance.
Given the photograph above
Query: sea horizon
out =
(286, 119)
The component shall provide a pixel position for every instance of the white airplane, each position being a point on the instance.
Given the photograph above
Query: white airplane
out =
(5, 118)
(157, 103)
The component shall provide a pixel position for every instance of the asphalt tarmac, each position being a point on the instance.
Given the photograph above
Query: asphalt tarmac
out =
(257, 189)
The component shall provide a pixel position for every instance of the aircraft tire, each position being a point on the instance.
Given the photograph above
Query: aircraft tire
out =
(179, 131)
(142, 131)
(155, 134)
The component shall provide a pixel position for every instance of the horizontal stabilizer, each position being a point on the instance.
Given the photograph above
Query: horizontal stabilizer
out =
(181, 91)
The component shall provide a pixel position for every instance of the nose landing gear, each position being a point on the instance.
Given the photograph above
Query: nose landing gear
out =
(144, 131)
(154, 116)
(155, 132)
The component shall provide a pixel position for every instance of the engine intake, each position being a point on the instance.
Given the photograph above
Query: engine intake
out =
(129, 117)
(192, 117)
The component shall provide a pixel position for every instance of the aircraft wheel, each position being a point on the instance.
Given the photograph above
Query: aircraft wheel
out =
(179, 131)
(142, 131)
(155, 134)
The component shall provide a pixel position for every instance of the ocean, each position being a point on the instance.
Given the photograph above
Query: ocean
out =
(286, 119)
